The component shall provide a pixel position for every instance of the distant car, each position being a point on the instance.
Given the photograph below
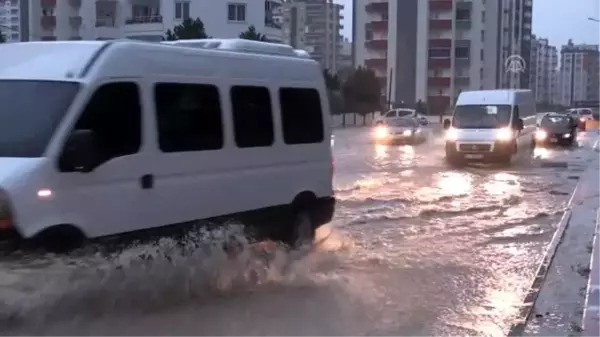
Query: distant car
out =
(582, 115)
(400, 131)
(555, 128)
(400, 113)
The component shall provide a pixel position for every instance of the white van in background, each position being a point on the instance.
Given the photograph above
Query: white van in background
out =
(122, 136)
(490, 126)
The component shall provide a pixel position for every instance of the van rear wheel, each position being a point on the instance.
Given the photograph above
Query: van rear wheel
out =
(302, 229)
(60, 239)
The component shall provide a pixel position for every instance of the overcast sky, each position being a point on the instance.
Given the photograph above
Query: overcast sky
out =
(557, 20)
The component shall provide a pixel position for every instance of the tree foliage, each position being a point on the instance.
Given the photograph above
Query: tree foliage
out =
(362, 91)
(2, 38)
(189, 29)
(252, 34)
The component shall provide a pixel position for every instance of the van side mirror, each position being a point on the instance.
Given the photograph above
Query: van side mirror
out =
(447, 124)
(519, 124)
(80, 152)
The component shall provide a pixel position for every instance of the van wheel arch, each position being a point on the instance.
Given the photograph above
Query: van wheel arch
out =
(60, 238)
(301, 229)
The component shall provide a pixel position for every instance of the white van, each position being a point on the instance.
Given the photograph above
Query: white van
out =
(490, 126)
(100, 138)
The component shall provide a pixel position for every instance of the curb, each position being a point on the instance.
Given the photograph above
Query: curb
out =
(591, 314)
(518, 327)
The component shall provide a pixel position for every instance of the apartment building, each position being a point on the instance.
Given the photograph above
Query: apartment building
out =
(147, 19)
(315, 26)
(543, 69)
(426, 50)
(514, 18)
(10, 20)
(579, 73)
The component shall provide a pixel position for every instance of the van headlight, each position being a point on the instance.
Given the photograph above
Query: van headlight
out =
(5, 212)
(451, 134)
(504, 134)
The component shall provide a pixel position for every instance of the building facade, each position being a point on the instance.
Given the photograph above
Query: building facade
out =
(147, 19)
(431, 50)
(579, 73)
(10, 20)
(315, 26)
(543, 69)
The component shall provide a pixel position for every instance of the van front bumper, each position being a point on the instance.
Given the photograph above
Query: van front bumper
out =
(479, 151)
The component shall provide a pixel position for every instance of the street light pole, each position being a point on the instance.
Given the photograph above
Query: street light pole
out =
(593, 19)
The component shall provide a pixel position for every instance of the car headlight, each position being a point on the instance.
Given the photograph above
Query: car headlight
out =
(567, 135)
(407, 132)
(451, 134)
(504, 134)
(381, 132)
(541, 135)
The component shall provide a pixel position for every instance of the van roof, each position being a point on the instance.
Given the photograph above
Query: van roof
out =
(73, 60)
(500, 96)
(56, 60)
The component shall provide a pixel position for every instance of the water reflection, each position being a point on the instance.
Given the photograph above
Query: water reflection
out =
(502, 183)
(541, 153)
(381, 151)
(455, 183)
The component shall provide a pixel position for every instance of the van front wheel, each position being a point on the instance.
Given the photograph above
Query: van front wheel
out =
(302, 230)
(60, 239)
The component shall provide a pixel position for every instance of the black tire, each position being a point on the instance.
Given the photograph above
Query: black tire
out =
(504, 160)
(302, 230)
(60, 239)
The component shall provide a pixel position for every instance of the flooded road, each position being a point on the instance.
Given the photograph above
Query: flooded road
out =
(415, 248)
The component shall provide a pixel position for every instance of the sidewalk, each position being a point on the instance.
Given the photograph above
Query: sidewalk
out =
(556, 301)
(591, 314)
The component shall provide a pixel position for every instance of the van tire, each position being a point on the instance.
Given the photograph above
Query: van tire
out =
(60, 239)
(454, 162)
(303, 229)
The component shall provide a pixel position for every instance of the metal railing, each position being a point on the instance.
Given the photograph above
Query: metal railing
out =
(144, 19)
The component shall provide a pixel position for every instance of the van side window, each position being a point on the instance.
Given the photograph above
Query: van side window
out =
(252, 116)
(114, 115)
(301, 116)
(188, 117)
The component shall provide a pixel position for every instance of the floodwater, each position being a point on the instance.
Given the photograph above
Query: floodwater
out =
(416, 248)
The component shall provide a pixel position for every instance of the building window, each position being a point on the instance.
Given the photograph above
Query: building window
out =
(182, 10)
(236, 12)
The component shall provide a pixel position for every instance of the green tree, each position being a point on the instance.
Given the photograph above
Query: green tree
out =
(362, 92)
(189, 29)
(252, 34)
(2, 38)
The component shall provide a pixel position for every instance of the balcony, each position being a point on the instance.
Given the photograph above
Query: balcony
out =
(441, 63)
(462, 81)
(439, 82)
(463, 24)
(440, 5)
(376, 63)
(440, 43)
(48, 3)
(75, 3)
(75, 21)
(440, 24)
(377, 26)
(377, 7)
(376, 44)
(144, 26)
(48, 22)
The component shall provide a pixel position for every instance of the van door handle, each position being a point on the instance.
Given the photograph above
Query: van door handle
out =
(147, 181)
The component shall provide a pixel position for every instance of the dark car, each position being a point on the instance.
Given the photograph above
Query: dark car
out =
(555, 128)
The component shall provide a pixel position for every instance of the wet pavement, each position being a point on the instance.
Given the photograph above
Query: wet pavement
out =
(416, 248)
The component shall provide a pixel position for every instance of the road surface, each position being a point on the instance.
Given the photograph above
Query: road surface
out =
(415, 248)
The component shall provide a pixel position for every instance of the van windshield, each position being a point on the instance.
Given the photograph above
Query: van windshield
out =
(481, 116)
(30, 112)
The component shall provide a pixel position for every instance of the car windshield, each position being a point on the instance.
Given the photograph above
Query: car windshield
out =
(404, 122)
(481, 116)
(555, 120)
(405, 113)
(585, 112)
(30, 113)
